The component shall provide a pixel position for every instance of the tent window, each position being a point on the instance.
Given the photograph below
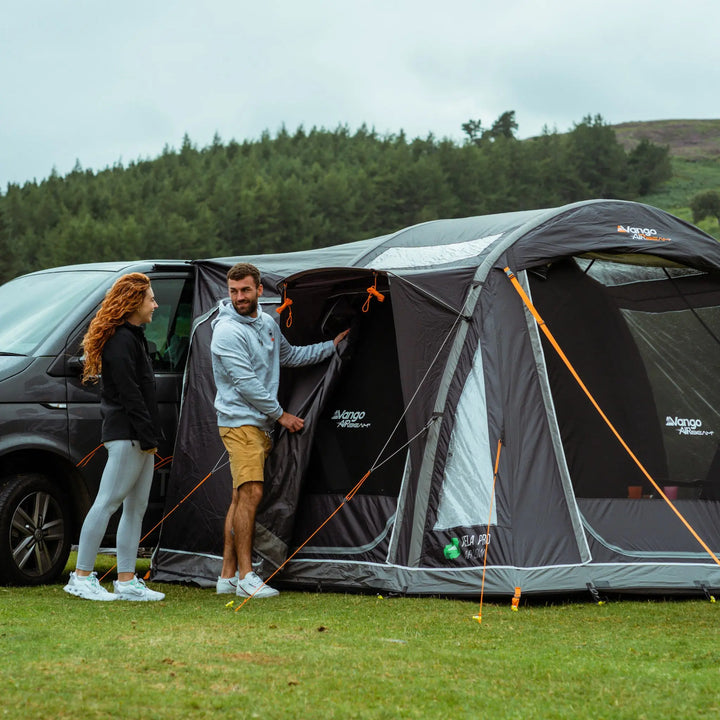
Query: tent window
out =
(467, 483)
(611, 273)
(432, 255)
(682, 356)
(646, 342)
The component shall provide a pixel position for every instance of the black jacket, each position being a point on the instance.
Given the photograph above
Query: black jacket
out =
(127, 400)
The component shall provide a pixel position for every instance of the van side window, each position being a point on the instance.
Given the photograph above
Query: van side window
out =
(168, 335)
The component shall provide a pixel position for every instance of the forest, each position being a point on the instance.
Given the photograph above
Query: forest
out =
(311, 188)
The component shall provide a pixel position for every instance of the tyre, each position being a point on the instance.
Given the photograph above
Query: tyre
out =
(35, 530)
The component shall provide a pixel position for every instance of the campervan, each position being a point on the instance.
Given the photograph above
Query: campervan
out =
(51, 458)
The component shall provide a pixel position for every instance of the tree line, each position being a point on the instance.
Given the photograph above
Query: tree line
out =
(307, 189)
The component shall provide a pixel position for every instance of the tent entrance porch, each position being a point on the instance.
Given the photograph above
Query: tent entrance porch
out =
(352, 421)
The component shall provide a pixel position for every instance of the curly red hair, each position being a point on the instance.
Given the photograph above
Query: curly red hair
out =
(124, 297)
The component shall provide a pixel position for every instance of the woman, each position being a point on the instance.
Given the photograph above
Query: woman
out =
(115, 348)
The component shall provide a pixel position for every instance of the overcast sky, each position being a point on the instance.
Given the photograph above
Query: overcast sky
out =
(105, 82)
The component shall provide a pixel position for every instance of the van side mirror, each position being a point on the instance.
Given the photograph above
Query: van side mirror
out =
(75, 366)
(64, 366)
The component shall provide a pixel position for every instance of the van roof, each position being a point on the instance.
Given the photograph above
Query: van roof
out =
(121, 265)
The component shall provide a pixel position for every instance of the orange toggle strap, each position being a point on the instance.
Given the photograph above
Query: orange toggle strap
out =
(541, 323)
(376, 293)
(373, 292)
(286, 303)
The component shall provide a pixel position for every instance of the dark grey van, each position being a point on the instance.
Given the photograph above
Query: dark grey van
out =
(50, 422)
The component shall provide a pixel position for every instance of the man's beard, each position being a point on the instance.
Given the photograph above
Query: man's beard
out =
(247, 309)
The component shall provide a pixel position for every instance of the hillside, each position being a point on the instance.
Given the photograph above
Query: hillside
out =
(694, 147)
(687, 139)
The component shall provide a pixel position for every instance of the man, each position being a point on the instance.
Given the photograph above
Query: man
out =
(247, 352)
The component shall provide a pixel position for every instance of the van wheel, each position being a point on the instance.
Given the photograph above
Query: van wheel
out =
(35, 530)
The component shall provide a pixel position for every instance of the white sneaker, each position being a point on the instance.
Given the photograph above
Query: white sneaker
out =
(251, 584)
(136, 589)
(227, 586)
(87, 588)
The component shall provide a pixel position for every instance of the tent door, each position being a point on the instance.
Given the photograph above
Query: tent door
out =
(359, 417)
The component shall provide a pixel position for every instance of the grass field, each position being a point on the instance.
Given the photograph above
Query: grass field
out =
(306, 655)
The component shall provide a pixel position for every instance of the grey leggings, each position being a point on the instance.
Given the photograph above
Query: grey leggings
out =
(126, 479)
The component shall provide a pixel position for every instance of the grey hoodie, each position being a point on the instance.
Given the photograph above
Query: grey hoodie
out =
(247, 354)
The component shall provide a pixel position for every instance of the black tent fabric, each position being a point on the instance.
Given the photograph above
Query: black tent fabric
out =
(452, 369)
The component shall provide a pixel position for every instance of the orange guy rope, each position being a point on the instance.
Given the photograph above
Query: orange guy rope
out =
(162, 462)
(346, 499)
(553, 342)
(487, 539)
(88, 457)
(163, 518)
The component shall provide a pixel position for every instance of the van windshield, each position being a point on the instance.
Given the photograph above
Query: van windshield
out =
(32, 306)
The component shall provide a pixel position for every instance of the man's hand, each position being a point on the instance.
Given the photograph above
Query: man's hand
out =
(341, 336)
(290, 422)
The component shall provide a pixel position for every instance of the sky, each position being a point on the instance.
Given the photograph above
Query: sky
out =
(104, 83)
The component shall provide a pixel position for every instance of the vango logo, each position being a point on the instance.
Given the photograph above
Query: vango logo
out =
(350, 419)
(639, 233)
(687, 426)
(682, 422)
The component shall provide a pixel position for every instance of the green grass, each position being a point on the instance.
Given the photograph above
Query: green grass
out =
(306, 655)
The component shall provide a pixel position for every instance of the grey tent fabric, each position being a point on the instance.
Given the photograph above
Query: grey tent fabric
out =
(450, 370)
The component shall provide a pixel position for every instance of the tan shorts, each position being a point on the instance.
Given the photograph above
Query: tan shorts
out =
(248, 448)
